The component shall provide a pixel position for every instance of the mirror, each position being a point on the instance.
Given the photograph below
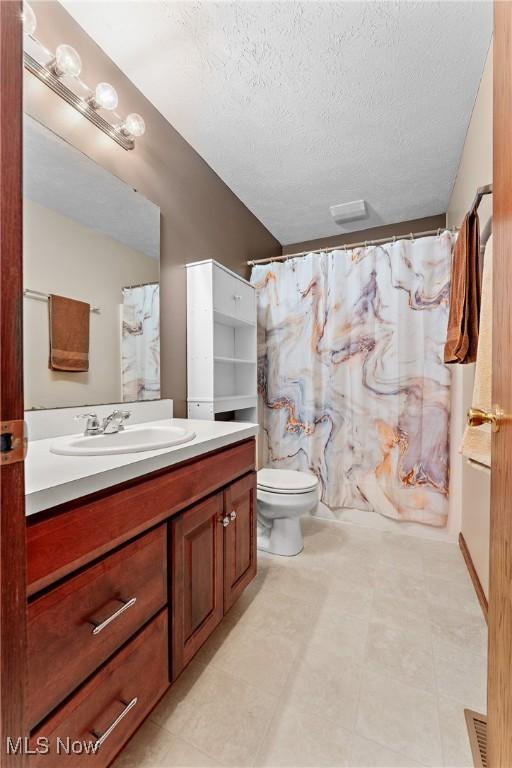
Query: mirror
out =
(89, 239)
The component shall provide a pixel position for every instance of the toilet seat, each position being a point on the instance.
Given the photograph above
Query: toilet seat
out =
(286, 481)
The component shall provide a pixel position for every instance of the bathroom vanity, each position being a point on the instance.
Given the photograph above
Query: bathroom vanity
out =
(126, 583)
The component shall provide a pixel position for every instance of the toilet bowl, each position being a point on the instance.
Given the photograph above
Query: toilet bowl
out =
(284, 495)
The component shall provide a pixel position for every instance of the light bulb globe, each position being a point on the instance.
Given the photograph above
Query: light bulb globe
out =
(106, 96)
(67, 61)
(134, 125)
(28, 18)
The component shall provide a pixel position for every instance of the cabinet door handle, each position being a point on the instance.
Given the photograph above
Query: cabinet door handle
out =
(236, 297)
(225, 521)
(102, 737)
(101, 626)
(232, 515)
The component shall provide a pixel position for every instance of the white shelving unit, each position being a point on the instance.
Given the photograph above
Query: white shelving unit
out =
(221, 343)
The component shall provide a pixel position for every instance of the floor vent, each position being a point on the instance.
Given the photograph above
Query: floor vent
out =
(477, 729)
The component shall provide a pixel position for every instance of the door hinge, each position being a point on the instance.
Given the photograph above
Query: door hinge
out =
(13, 441)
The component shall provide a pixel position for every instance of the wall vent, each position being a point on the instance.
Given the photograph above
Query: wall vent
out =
(477, 730)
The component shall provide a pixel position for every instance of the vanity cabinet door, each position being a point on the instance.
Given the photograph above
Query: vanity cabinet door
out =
(239, 538)
(197, 578)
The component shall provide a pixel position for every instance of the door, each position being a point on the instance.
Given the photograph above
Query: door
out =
(239, 537)
(499, 694)
(197, 548)
(12, 498)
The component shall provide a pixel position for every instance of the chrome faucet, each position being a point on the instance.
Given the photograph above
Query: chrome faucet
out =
(110, 425)
(114, 422)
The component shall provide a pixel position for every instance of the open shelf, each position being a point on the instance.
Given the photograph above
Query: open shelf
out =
(234, 402)
(232, 322)
(236, 360)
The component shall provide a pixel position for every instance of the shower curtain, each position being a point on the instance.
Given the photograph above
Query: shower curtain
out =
(351, 376)
(141, 343)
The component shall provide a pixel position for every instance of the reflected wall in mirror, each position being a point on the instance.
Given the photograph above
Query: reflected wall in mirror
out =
(89, 239)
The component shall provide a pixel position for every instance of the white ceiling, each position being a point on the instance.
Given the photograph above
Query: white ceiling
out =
(60, 177)
(302, 105)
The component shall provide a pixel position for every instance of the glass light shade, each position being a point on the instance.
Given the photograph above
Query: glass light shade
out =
(134, 125)
(29, 20)
(106, 96)
(67, 61)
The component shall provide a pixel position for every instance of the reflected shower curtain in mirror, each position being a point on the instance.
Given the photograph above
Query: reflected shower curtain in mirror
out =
(141, 342)
(351, 376)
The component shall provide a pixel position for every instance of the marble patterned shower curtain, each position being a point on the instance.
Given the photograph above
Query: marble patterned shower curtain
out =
(141, 343)
(351, 375)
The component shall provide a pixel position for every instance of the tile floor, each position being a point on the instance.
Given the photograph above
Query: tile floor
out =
(362, 651)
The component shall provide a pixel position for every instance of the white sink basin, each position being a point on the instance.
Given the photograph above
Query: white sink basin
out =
(130, 440)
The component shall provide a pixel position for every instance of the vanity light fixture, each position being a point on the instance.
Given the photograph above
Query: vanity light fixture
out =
(134, 125)
(105, 97)
(67, 62)
(61, 73)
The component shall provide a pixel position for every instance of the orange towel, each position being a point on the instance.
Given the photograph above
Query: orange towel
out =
(462, 336)
(69, 334)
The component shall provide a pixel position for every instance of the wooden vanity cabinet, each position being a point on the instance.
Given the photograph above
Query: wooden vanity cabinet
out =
(239, 538)
(197, 573)
(213, 560)
(154, 564)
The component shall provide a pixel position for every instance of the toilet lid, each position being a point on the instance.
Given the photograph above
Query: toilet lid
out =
(286, 480)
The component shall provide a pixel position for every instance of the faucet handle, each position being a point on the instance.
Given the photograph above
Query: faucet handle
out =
(92, 423)
(82, 416)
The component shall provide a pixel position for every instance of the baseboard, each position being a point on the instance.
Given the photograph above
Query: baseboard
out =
(473, 575)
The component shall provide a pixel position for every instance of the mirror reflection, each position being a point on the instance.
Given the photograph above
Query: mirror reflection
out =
(91, 280)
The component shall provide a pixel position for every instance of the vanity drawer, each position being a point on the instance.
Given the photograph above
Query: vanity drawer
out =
(233, 297)
(124, 691)
(76, 626)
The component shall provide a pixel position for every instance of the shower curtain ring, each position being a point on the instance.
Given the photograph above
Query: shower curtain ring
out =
(394, 238)
(412, 238)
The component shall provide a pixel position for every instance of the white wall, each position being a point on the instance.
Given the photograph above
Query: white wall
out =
(470, 488)
(64, 257)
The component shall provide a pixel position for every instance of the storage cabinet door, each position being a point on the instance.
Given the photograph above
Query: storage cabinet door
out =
(197, 546)
(239, 537)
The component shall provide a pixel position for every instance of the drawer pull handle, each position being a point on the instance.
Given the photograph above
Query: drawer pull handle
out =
(102, 737)
(232, 515)
(99, 627)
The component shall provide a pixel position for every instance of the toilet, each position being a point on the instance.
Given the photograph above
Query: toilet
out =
(284, 495)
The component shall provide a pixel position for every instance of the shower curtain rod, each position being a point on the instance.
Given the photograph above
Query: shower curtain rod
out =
(350, 246)
(138, 285)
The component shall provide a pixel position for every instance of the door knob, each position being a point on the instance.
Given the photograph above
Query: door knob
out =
(225, 521)
(476, 417)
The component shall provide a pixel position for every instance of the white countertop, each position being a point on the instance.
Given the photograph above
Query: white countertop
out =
(52, 479)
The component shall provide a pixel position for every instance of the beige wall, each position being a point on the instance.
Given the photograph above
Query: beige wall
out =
(201, 217)
(470, 488)
(64, 257)
(387, 230)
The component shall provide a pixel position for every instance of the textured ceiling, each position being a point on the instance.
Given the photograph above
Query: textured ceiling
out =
(302, 105)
